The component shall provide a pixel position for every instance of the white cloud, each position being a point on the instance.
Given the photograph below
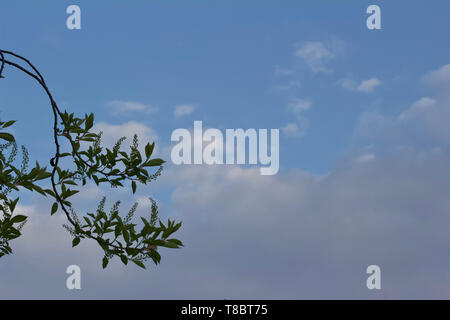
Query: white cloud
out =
(366, 157)
(368, 85)
(290, 129)
(112, 133)
(315, 55)
(298, 106)
(439, 76)
(183, 110)
(280, 71)
(120, 106)
(417, 108)
(364, 86)
(423, 124)
(298, 129)
(324, 231)
(318, 233)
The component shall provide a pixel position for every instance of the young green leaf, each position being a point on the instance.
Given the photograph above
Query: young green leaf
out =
(18, 218)
(54, 208)
(139, 263)
(105, 262)
(7, 136)
(75, 242)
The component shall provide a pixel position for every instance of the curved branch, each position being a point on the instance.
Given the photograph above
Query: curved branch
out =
(56, 113)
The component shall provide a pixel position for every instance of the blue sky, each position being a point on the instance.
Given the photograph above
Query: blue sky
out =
(223, 58)
(255, 65)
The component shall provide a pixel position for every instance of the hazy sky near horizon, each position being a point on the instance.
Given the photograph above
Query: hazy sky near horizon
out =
(364, 143)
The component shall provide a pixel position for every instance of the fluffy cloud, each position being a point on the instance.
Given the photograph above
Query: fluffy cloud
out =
(313, 237)
(368, 85)
(424, 123)
(364, 86)
(417, 109)
(297, 107)
(118, 107)
(298, 129)
(316, 54)
(112, 133)
(183, 110)
(439, 76)
(290, 129)
(366, 157)
(294, 235)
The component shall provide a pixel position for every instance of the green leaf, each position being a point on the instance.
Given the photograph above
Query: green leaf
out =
(139, 263)
(175, 241)
(18, 218)
(133, 186)
(124, 259)
(171, 245)
(149, 149)
(88, 221)
(7, 136)
(117, 231)
(12, 205)
(154, 163)
(105, 262)
(89, 121)
(126, 236)
(75, 242)
(9, 123)
(54, 208)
